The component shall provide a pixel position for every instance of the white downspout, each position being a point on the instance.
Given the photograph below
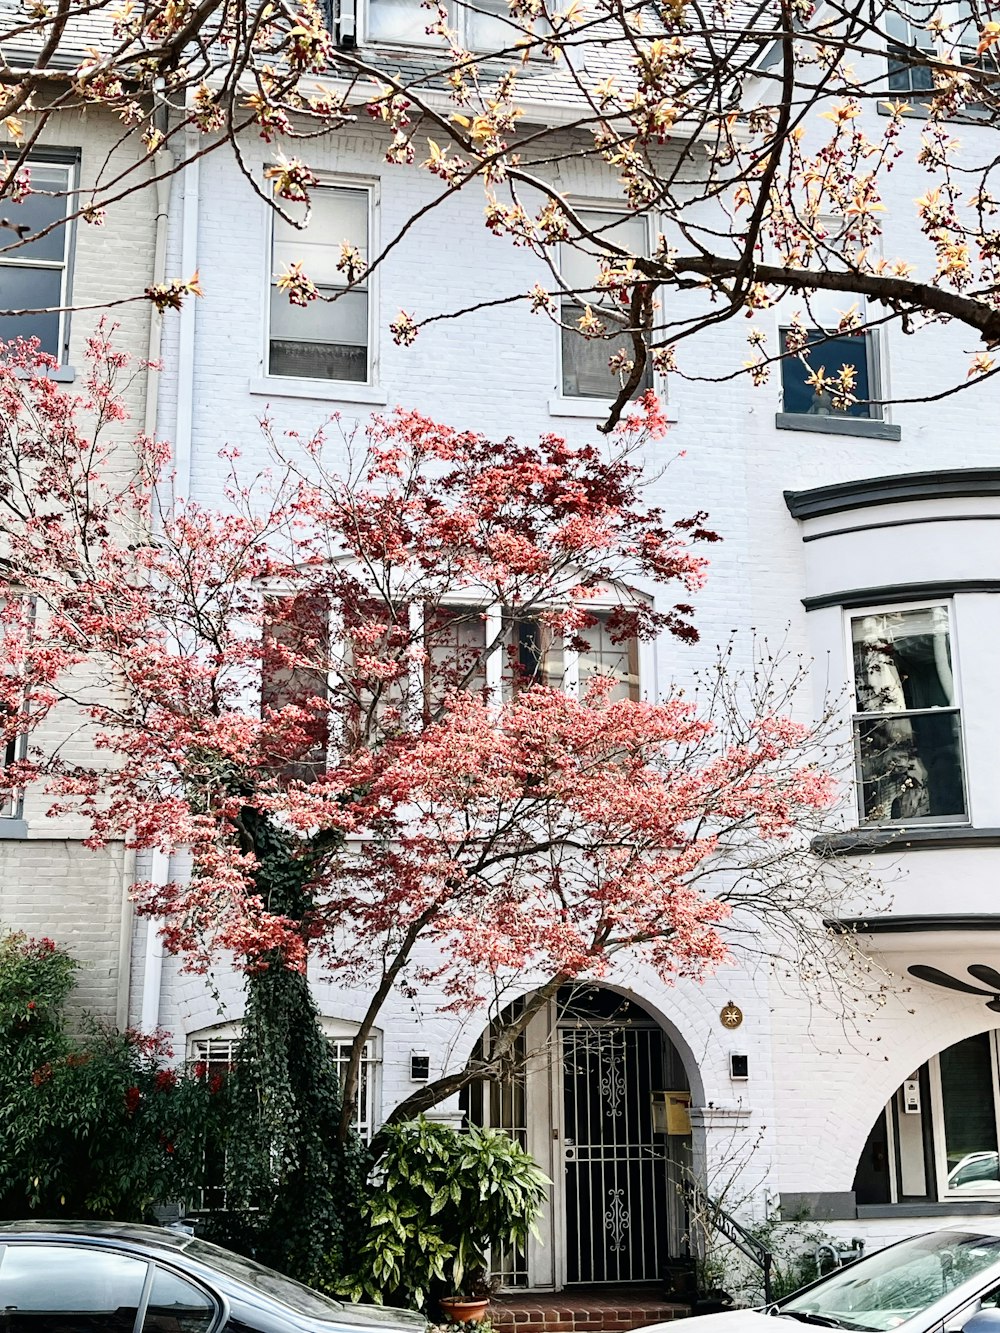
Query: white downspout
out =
(165, 166)
(186, 341)
(152, 974)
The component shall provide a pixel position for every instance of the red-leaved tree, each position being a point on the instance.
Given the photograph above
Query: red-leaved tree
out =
(386, 697)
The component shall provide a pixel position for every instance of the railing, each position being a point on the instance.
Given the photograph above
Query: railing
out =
(711, 1214)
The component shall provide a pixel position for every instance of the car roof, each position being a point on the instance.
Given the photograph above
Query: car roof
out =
(135, 1232)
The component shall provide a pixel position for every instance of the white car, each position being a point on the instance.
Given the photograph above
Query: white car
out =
(942, 1282)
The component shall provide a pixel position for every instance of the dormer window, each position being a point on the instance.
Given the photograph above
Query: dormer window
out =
(481, 26)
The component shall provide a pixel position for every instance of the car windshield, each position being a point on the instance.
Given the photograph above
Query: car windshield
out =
(896, 1284)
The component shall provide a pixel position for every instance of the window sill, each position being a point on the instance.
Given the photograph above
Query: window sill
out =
(858, 426)
(962, 1207)
(592, 409)
(331, 391)
(13, 828)
(876, 841)
(61, 375)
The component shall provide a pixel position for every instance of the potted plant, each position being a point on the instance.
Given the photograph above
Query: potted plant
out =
(446, 1198)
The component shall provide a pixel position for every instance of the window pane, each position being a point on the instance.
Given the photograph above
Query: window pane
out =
(970, 1130)
(849, 349)
(402, 21)
(456, 648)
(69, 1289)
(586, 373)
(911, 767)
(320, 340)
(488, 26)
(294, 675)
(22, 289)
(532, 654)
(604, 658)
(175, 1306)
(38, 211)
(902, 659)
(580, 266)
(337, 215)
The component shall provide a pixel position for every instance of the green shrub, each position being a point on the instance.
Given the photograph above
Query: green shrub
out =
(445, 1198)
(96, 1125)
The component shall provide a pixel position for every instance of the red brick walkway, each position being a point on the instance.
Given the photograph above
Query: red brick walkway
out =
(609, 1310)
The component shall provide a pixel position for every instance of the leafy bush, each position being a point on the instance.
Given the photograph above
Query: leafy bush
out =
(444, 1200)
(92, 1126)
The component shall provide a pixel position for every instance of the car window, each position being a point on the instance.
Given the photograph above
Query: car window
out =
(69, 1289)
(177, 1306)
(896, 1284)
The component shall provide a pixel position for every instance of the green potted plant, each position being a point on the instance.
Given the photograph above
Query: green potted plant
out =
(446, 1198)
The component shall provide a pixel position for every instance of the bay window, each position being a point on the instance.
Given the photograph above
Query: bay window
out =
(907, 720)
(584, 369)
(34, 274)
(324, 339)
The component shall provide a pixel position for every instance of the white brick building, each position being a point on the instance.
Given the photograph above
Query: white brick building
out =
(49, 883)
(889, 523)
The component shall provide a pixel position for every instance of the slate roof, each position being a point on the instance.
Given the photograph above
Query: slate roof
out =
(740, 24)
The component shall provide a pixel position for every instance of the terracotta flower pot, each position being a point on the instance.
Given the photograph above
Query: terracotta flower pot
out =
(461, 1310)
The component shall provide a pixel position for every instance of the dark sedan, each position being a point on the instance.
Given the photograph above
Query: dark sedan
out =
(106, 1277)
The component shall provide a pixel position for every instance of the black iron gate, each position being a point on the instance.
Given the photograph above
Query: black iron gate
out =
(616, 1177)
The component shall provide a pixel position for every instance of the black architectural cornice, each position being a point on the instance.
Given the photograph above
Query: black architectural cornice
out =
(949, 483)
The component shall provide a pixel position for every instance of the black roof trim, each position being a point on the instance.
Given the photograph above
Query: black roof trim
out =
(910, 925)
(946, 484)
(900, 592)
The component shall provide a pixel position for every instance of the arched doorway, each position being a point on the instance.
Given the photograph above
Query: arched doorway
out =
(581, 1100)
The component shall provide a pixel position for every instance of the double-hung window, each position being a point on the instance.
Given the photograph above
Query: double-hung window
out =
(584, 369)
(480, 25)
(953, 36)
(327, 338)
(907, 721)
(35, 250)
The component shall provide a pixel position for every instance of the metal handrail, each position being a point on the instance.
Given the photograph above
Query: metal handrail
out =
(733, 1231)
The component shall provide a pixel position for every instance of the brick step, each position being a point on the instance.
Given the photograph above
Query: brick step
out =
(582, 1312)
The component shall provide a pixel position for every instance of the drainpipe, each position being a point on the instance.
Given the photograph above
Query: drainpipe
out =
(186, 339)
(153, 971)
(165, 165)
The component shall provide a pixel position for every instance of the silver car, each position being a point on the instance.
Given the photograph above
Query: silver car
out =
(941, 1282)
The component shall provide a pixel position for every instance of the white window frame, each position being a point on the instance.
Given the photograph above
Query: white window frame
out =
(937, 1125)
(225, 1038)
(458, 18)
(939, 47)
(65, 265)
(889, 608)
(875, 362)
(301, 385)
(595, 408)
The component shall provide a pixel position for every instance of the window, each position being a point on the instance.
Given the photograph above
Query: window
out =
(961, 20)
(177, 1306)
(907, 724)
(293, 675)
(69, 1289)
(455, 642)
(532, 655)
(944, 1141)
(217, 1055)
(35, 275)
(16, 615)
(322, 340)
(605, 657)
(829, 354)
(480, 25)
(585, 372)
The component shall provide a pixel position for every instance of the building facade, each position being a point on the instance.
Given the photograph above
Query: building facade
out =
(50, 884)
(867, 542)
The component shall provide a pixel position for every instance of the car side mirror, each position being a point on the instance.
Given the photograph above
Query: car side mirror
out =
(983, 1321)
